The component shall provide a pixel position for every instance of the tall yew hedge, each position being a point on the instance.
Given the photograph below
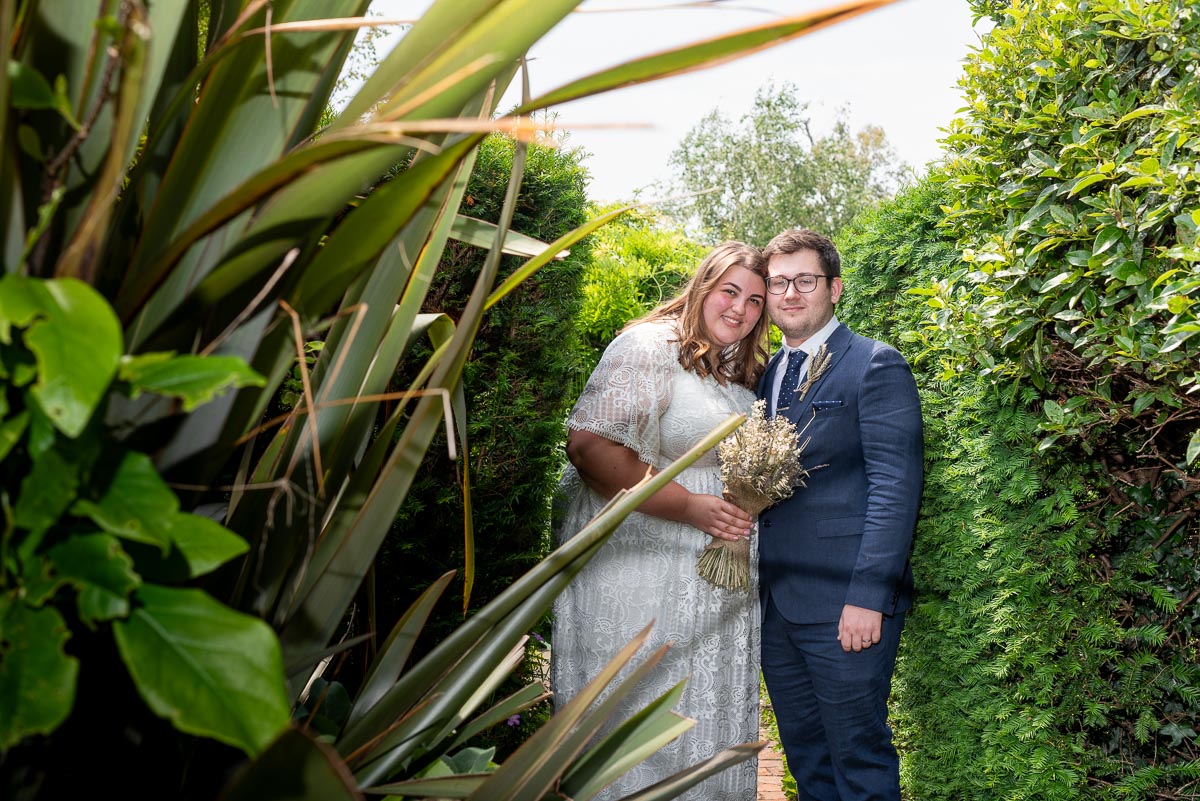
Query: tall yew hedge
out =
(1044, 283)
(521, 360)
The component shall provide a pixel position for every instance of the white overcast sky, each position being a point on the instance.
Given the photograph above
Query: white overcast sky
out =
(896, 67)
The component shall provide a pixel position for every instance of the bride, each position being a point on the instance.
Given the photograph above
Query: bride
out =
(666, 381)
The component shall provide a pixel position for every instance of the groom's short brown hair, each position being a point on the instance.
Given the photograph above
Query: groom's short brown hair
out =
(796, 239)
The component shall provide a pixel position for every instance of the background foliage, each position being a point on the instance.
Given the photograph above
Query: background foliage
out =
(177, 565)
(770, 171)
(523, 356)
(1049, 286)
(638, 261)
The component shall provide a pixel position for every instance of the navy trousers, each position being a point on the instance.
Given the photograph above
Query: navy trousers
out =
(831, 707)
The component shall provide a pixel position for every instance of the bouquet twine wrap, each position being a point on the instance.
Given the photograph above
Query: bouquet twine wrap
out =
(760, 466)
(726, 563)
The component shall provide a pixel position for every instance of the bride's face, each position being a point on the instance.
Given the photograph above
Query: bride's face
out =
(734, 305)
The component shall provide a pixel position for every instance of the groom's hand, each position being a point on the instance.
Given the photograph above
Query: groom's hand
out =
(859, 628)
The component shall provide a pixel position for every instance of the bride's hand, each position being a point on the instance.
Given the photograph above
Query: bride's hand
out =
(717, 517)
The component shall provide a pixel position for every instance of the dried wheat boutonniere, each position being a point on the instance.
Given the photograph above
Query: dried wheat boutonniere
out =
(760, 466)
(816, 369)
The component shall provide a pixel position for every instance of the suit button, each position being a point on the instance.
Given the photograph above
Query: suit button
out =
(764, 523)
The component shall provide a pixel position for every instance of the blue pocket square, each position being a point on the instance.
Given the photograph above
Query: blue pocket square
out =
(823, 405)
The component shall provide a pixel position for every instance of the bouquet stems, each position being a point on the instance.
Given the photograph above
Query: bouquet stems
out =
(726, 563)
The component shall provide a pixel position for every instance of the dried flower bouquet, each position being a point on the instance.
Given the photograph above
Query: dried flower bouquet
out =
(760, 466)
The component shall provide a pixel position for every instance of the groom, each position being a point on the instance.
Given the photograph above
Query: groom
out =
(833, 559)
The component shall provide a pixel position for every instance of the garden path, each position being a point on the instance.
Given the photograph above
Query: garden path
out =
(770, 770)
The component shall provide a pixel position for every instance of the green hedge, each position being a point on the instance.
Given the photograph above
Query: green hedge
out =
(513, 383)
(1053, 649)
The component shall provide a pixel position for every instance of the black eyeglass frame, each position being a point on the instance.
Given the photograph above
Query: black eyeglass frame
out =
(792, 282)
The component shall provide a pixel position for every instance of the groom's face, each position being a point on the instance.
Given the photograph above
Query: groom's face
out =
(799, 315)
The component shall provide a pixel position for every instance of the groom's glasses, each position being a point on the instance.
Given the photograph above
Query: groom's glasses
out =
(804, 282)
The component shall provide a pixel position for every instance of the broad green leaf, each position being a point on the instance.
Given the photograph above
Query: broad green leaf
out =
(11, 431)
(137, 504)
(204, 543)
(29, 88)
(1142, 402)
(99, 570)
(1137, 113)
(1106, 238)
(209, 670)
(1193, 448)
(192, 379)
(1054, 411)
(73, 319)
(46, 491)
(1061, 278)
(295, 767)
(37, 677)
(1084, 181)
(1139, 181)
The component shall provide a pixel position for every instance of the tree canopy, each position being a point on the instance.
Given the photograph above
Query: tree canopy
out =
(771, 170)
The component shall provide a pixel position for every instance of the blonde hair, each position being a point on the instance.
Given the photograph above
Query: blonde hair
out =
(742, 362)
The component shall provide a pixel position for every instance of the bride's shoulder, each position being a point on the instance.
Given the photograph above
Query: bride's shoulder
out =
(656, 334)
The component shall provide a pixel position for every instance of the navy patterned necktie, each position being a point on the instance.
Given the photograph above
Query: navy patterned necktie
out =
(791, 380)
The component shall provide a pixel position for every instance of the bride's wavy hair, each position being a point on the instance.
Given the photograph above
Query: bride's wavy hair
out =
(744, 361)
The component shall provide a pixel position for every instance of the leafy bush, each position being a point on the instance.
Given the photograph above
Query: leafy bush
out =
(1073, 197)
(637, 262)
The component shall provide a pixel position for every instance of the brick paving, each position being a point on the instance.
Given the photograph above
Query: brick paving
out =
(770, 771)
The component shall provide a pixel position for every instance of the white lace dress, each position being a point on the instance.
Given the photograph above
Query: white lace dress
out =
(641, 397)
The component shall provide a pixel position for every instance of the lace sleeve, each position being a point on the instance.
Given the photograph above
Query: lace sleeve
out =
(630, 389)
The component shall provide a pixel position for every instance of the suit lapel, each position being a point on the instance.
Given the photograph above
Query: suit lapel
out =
(836, 347)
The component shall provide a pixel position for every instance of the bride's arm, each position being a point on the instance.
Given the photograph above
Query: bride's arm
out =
(607, 467)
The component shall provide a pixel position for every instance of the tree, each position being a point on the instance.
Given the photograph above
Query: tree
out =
(771, 171)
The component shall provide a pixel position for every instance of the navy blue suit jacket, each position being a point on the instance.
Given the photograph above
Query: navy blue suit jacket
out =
(845, 537)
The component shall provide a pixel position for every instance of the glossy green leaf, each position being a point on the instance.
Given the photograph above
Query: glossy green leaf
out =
(29, 88)
(11, 431)
(101, 573)
(1193, 448)
(64, 318)
(137, 505)
(192, 379)
(46, 492)
(37, 677)
(210, 670)
(204, 543)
